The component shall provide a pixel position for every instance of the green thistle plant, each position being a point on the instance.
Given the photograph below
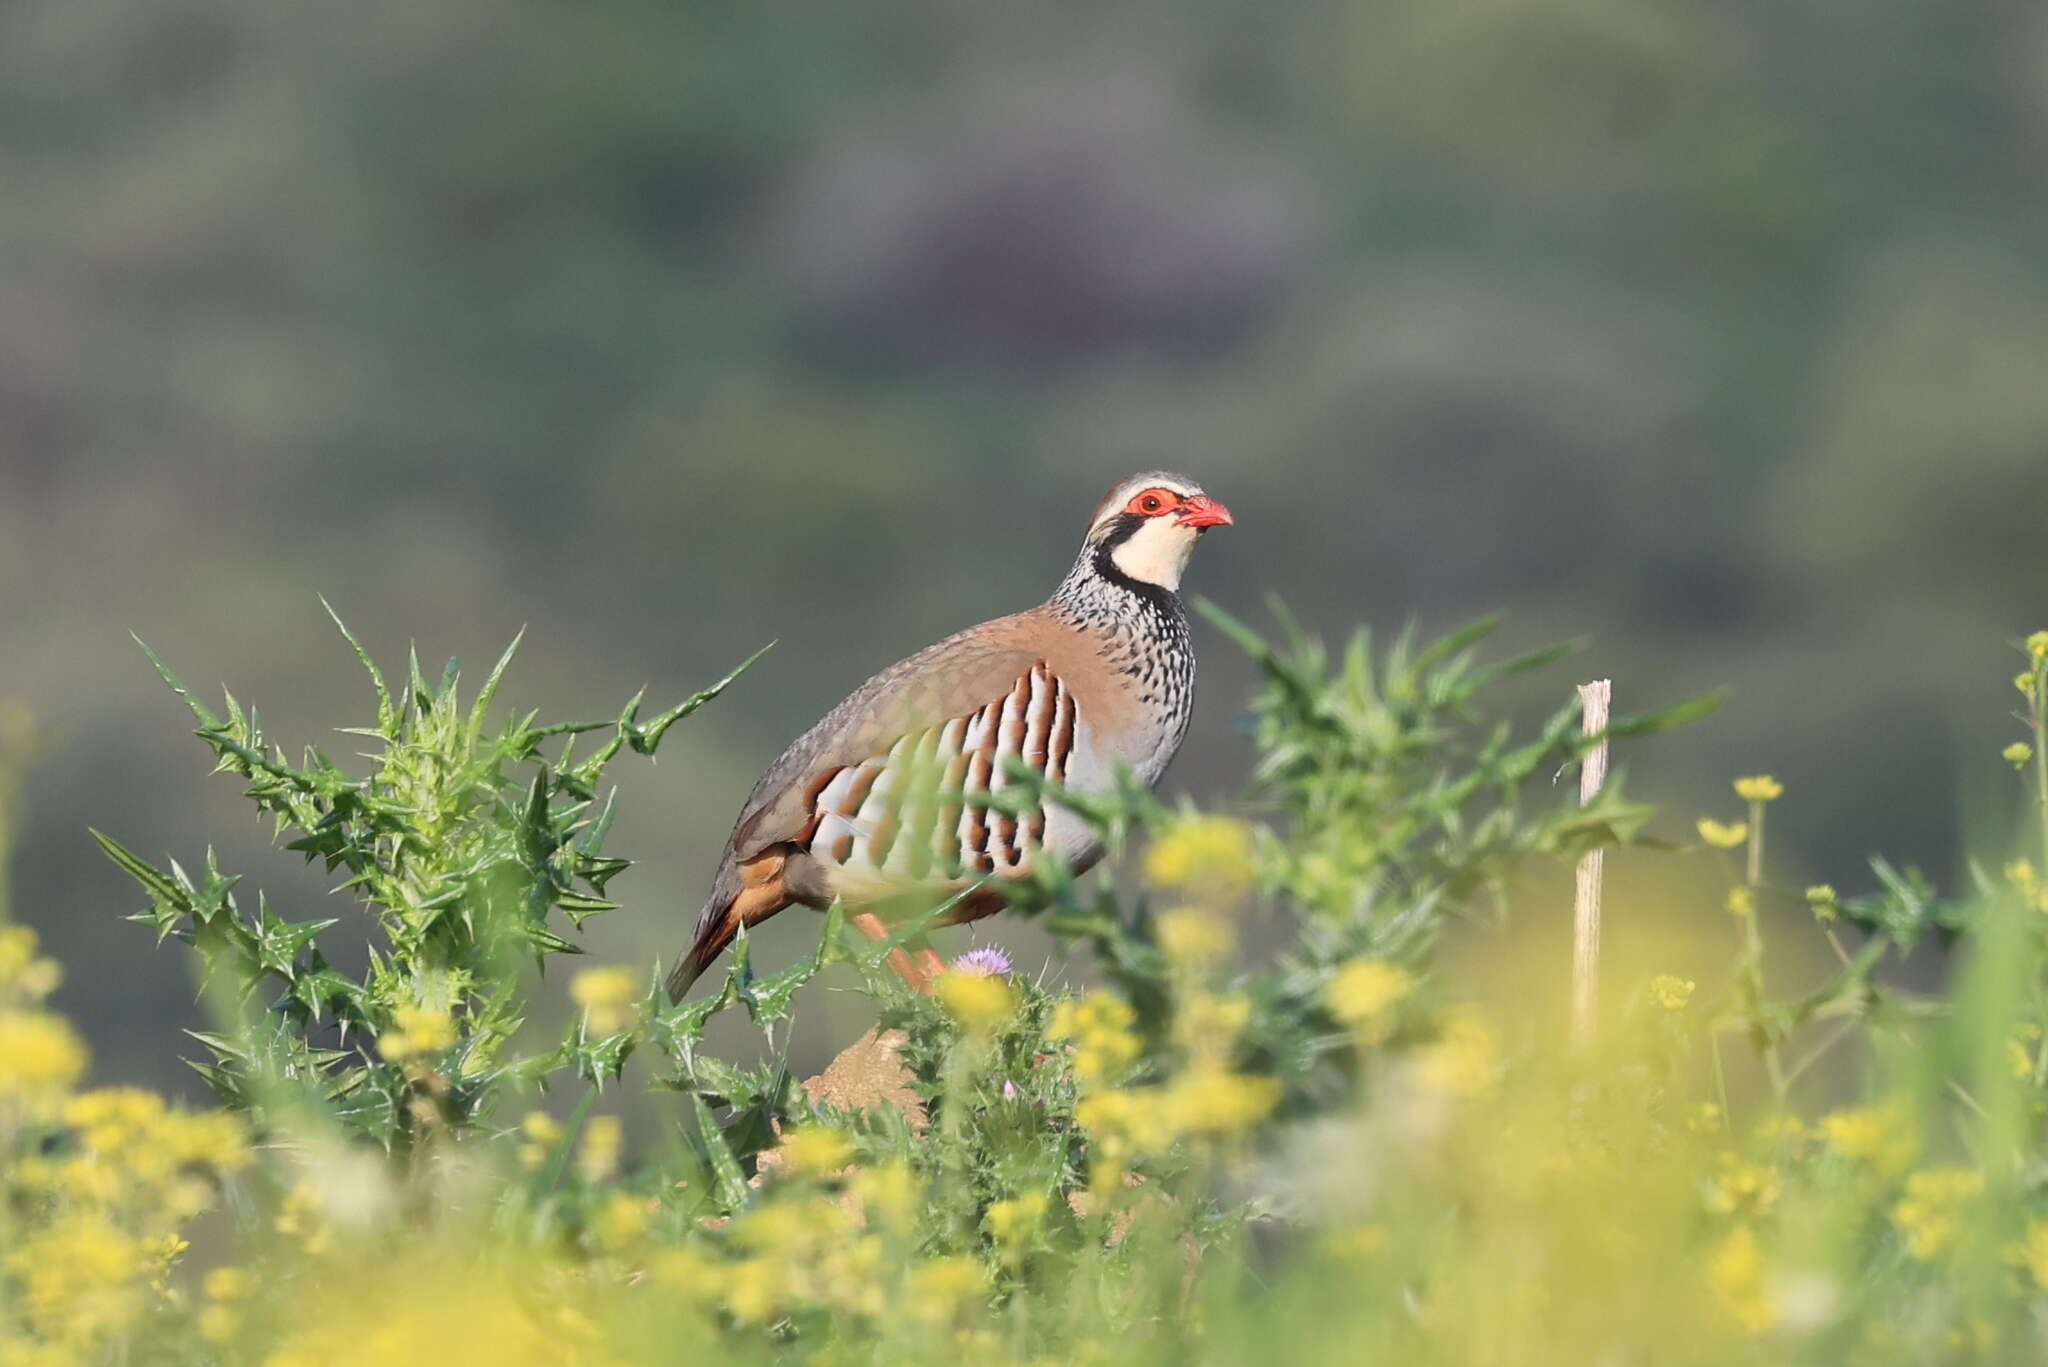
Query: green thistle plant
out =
(469, 848)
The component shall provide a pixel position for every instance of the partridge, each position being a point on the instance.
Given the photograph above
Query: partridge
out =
(879, 799)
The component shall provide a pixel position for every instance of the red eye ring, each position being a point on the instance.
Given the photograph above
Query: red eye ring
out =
(1153, 502)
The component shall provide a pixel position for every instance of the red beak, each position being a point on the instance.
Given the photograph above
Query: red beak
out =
(1203, 511)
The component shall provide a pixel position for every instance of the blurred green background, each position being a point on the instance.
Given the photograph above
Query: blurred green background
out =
(1717, 331)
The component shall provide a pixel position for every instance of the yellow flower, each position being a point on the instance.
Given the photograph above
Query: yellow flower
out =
(1208, 1025)
(1930, 1213)
(1735, 1271)
(609, 997)
(22, 974)
(816, 1150)
(229, 1284)
(219, 1323)
(2037, 645)
(1723, 836)
(620, 1221)
(416, 1030)
(2025, 684)
(1365, 989)
(1750, 1188)
(1100, 1025)
(303, 1215)
(41, 1057)
(81, 1279)
(1465, 1059)
(1759, 788)
(888, 1194)
(2017, 754)
(1214, 1100)
(208, 1139)
(1209, 857)
(1670, 992)
(1016, 1220)
(983, 1003)
(1704, 1118)
(753, 1289)
(1139, 1117)
(1741, 902)
(1193, 937)
(540, 1135)
(2033, 1253)
(112, 1119)
(941, 1289)
(597, 1156)
(1822, 901)
(1882, 1135)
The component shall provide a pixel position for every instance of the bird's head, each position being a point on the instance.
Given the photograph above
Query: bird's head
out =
(1148, 524)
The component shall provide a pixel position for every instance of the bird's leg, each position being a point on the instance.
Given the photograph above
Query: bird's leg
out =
(918, 972)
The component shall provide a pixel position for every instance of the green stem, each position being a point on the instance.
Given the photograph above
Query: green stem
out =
(1756, 844)
(2039, 709)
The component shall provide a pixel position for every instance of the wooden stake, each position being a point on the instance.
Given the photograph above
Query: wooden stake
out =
(1596, 700)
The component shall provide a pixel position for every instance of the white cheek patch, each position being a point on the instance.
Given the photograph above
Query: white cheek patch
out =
(1156, 553)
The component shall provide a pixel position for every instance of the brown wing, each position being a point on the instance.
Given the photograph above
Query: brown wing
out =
(958, 677)
(948, 681)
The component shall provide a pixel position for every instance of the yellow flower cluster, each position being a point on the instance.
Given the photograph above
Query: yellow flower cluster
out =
(597, 1152)
(813, 1252)
(539, 1133)
(417, 1031)
(1822, 900)
(1930, 1213)
(1742, 1187)
(1101, 1028)
(1214, 1101)
(1194, 938)
(2033, 890)
(1882, 1135)
(220, 1315)
(83, 1281)
(1365, 991)
(2019, 1050)
(1671, 992)
(608, 997)
(1723, 835)
(816, 1150)
(1207, 1025)
(1736, 1273)
(1208, 857)
(95, 1200)
(435, 1309)
(983, 1003)
(2037, 645)
(1014, 1225)
(41, 1058)
(26, 976)
(2032, 1252)
(1464, 1060)
(2018, 754)
(1759, 788)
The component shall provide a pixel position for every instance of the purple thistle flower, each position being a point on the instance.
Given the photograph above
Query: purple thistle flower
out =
(985, 962)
